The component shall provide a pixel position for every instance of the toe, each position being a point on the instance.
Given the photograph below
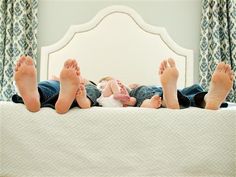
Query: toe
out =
(77, 67)
(67, 63)
(29, 61)
(74, 63)
(220, 66)
(161, 68)
(77, 73)
(78, 91)
(231, 75)
(160, 72)
(18, 64)
(22, 59)
(82, 87)
(227, 68)
(171, 62)
(165, 64)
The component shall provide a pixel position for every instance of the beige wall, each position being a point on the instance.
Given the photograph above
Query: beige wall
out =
(181, 18)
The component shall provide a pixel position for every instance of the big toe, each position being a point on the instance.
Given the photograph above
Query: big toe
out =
(22, 59)
(74, 63)
(220, 66)
(68, 63)
(171, 62)
(29, 61)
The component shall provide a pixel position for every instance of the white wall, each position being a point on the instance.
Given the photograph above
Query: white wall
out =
(181, 18)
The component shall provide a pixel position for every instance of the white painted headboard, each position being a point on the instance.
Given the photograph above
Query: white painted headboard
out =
(117, 42)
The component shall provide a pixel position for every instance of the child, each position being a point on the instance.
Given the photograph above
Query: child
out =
(114, 93)
(70, 91)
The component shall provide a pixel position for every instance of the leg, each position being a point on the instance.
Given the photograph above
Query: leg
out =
(169, 76)
(154, 102)
(93, 93)
(123, 95)
(117, 89)
(111, 88)
(26, 82)
(49, 91)
(221, 83)
(148, 93)
(187, 96)
(69, 84)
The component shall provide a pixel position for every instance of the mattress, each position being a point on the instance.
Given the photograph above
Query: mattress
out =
(124, 142)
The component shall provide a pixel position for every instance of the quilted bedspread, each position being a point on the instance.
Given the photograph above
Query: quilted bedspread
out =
(112, 142)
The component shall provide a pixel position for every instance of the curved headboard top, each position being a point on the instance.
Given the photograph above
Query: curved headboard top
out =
(117, 42)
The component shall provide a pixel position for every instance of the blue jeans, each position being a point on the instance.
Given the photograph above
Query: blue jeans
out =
(49, 92)
(189, 96)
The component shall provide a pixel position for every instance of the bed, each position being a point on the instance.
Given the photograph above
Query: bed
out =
(124, 142)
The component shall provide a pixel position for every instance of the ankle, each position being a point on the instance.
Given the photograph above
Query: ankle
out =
(212, 106)
(84, 103)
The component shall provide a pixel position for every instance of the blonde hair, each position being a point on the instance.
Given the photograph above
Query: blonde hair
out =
(107, 78)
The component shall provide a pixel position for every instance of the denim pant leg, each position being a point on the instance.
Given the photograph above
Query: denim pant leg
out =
(199, 99)
(146, 92)
(46, 89)
(191, 92)
(49, 91)
(196, 95)
(93, 94)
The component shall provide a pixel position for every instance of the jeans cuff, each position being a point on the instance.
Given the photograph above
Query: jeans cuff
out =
(199, 99)
(183, 100)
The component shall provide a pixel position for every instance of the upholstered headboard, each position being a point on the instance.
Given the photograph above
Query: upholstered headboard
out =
(117, 42)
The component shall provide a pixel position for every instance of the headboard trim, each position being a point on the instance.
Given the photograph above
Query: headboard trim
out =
(101, 15)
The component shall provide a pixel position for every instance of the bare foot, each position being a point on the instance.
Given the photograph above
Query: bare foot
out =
(221, 83)
(121, 97)
(123, 94)
(26, 81)
(154, 102)
(169, 76)
(81, 98)
(129, 102)
(69, 83)
(124, 97)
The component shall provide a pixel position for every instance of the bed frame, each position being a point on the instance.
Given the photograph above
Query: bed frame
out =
(117, 142)
(117, 42)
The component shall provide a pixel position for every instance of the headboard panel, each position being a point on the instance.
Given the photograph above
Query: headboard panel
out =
(118, 43)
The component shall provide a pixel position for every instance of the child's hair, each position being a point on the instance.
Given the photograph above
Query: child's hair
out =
(102, 82)
(107, 78)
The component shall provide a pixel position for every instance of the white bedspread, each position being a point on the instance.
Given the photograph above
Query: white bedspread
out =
(112, 142)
